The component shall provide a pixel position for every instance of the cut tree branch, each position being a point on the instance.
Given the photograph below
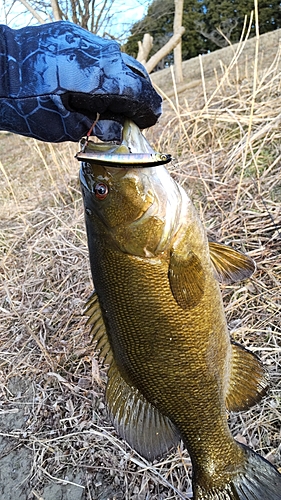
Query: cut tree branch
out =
(144, 48)
(168, 47)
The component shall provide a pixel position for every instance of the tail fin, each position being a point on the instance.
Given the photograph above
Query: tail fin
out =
(258, 480)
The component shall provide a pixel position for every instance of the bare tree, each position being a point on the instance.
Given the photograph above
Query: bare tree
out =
(164, 51)
(98, 16)
(56, 10)
(33, 11)
(174, 43)
(221, 35)
(89, 14)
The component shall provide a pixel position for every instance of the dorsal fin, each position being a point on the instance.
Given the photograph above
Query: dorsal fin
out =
(248, 380)
(138, 422)
(230, 265)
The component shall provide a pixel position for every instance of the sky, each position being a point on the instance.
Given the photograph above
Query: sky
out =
(124, 15)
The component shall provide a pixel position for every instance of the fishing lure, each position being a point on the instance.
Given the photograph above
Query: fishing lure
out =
(119, 155)
(116, 159)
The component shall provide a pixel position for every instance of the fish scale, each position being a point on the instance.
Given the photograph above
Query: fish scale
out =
(174, 371)
(141, 344)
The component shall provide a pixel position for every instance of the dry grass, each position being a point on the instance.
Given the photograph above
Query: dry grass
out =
(226, 139)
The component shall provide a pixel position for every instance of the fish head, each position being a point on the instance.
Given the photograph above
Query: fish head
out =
(135, 209)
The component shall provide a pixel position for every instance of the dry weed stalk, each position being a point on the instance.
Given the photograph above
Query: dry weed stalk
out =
(227, 143)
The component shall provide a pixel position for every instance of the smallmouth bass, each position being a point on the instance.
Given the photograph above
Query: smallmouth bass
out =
(158, 318)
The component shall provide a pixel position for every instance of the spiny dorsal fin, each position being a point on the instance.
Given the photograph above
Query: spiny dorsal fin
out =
(187, 279)
(230, 265)
(140, 424)
(248, 381)
(98, 329)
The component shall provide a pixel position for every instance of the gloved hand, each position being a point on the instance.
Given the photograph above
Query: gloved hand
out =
(55, 78)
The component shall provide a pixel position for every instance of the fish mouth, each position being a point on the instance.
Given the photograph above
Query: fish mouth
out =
(133, 152)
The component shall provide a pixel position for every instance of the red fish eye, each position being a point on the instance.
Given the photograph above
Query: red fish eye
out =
(101, 191)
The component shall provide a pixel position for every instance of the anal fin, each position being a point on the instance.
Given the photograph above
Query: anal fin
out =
(138, 422)
(248, 380)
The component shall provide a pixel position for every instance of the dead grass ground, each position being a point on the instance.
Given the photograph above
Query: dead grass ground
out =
(55, 439)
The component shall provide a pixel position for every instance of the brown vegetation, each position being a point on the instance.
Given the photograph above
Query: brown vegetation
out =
(55, 439)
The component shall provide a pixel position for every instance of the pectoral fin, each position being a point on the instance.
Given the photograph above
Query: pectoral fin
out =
(230, 265)
(140, 424)
(98, 329)
(248, 381)
(187, 279)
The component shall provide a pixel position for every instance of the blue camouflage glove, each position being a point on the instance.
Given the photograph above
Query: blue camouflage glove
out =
(55, 78)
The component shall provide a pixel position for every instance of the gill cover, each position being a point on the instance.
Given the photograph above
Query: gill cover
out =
(140, 211)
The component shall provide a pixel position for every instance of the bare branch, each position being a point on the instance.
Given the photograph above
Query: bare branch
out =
(168, 47)
(33, 11)
(144, 48)
(73, 11)
(98, 22)
(177, 49)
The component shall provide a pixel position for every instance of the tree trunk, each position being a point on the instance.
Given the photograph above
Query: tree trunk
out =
(173, 44)
(177, 50)
(56, 10)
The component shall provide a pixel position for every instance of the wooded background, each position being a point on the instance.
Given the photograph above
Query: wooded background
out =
(171, 30)
(209, 25)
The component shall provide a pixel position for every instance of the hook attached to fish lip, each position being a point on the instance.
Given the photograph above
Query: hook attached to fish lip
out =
(125, 155)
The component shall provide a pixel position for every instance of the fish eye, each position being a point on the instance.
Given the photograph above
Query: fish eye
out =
(101, 190)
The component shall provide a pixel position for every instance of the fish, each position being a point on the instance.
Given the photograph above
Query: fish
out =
(158, 319)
